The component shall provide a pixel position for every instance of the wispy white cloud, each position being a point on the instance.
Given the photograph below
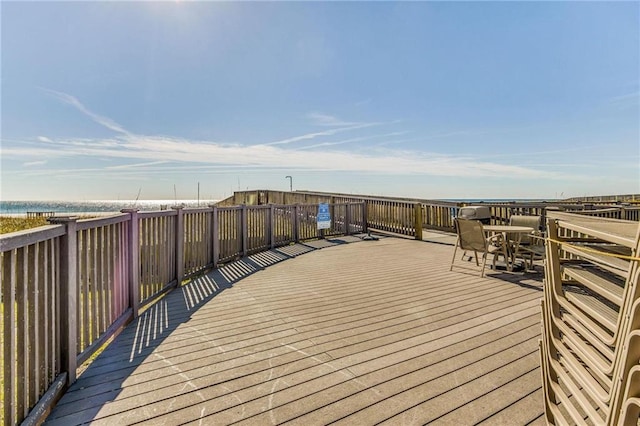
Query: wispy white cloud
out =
(44, 139)
(34, 163)
(364, 102)
(310, 136)
(137, 165)
(455, 133)
(157, 150)
(628, 97)
(358, 139)
(154, 151)
(74, 102)
(623, 102)
(320, 119)
(396, 142)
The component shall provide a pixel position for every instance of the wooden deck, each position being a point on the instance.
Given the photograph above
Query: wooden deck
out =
(361, 333)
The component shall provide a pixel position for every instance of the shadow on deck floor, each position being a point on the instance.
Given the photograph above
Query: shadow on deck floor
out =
(378, 331)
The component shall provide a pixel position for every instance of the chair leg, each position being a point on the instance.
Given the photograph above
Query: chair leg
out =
(507, 259)
(475, 253)
(454, 256)
(484, 263)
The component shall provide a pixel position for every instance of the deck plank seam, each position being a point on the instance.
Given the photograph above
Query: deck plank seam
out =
(395, 378)
(342, 347)
(318, 353)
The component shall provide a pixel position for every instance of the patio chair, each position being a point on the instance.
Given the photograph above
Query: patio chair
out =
(631, 408)
(531, 246)
(591, 322)
(472, 237)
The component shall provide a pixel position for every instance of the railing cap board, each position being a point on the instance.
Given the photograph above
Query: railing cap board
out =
(383, 198)
(197, 209)
(442, 203)
(102, 221)
(157, 213)
(27, 237)
(356, 197)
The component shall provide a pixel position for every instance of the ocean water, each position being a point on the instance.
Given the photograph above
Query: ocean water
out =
(95, 206)
(107, 206)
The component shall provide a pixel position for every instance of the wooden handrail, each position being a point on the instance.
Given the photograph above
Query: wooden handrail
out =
(103, 271)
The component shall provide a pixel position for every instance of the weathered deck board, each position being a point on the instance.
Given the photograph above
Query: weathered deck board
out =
(376, 331)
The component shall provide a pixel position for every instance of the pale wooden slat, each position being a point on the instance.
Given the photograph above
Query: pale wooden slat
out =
(9, 271)
(119, 271)
(51, 310)
(171, 252)
(122, 275)
(42, 318)
(108, 277)
(142, 252)
(155, 258)
(56, 306)
(105, 258)
(22, 333)
(84, 326)
(93, 293)
(34, 345)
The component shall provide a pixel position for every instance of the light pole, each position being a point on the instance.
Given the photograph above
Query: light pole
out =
(290, 182)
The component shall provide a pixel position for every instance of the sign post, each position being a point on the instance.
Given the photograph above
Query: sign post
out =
(324, 218)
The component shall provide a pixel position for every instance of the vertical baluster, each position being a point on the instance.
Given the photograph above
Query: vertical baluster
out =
(179, 244)
(42, 321)
(9, 272)
(133, 266)
(33, 348)
(85, 323)
(67, 259)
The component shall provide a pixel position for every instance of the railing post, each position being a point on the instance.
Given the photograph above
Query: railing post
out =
(296, 223)
(244, 224)
(364, 216)
(68, 296)
(347, 218)
(215, 230)
(272, 230)
(134, 261)
(418, 220)
(179, 244)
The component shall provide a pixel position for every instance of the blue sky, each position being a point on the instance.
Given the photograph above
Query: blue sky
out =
(102, 100)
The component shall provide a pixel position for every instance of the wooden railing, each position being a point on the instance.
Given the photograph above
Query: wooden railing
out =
(31, 215)
(69, 287)
(623, 213)
(31, 308)
(409, 216)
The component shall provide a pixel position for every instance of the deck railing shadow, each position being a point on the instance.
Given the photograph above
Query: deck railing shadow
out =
(137, 342)
(155, 325)
(69, 288)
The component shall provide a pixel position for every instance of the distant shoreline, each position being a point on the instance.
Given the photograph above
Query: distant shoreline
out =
(94, 207)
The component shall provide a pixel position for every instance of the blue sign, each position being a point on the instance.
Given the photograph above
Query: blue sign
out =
(324, 217)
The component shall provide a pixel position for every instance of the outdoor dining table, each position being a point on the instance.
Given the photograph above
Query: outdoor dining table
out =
(505, 230)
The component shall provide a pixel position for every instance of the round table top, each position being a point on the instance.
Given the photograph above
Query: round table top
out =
(508, 228)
